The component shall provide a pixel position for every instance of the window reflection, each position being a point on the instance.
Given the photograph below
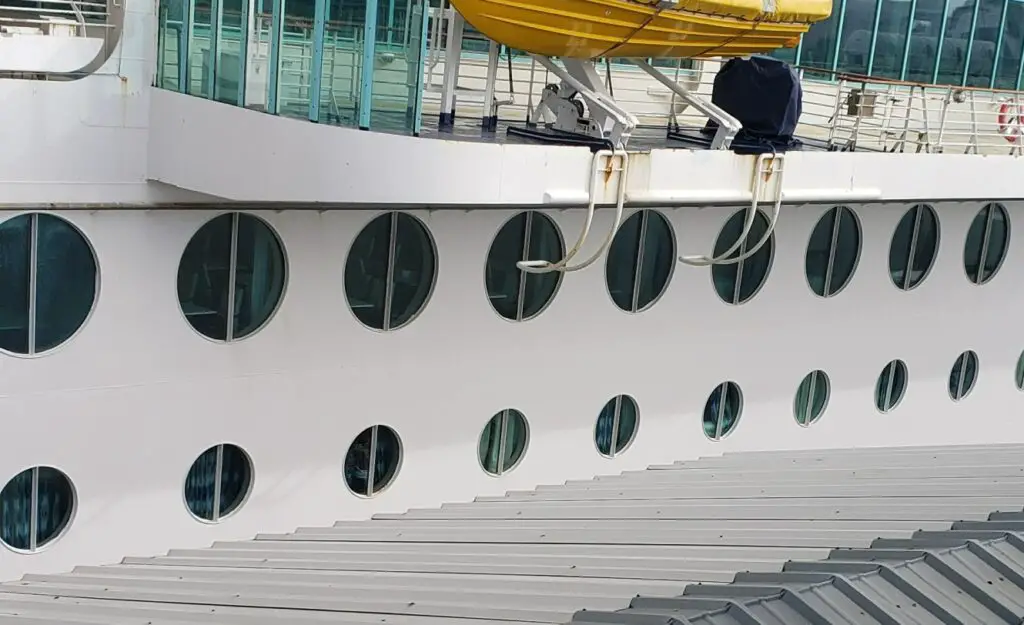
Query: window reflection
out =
(833, 251)
(722, 410)
(891, 385)
(35, 508)
(515, 294)
(64, 275)
(616, 425)
(218, 482)
(811, 397)
(987, 242)
(390, 271)
(963, 375)
(915, 243)
(737, 282)
(372, 461)
(503, 441)
(640, 261)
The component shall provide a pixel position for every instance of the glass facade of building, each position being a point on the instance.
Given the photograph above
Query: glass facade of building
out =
(346, 62)
(973, 43)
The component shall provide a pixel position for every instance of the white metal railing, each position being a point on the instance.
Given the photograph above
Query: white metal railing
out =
(53, 17)
(840, 112)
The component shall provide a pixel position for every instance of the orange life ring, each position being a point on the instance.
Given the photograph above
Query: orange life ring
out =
(1011, 121)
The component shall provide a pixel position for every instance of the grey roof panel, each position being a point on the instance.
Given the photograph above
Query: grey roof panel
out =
(886, 536)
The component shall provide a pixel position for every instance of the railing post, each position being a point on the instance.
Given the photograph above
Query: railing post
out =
(316, 70)
(369, 54)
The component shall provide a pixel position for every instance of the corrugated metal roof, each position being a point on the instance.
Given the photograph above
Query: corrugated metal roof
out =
(842, 536)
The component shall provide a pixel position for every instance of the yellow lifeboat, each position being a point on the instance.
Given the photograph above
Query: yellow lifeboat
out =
(589, 29)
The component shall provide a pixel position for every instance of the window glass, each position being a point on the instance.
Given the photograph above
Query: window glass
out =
(722, 410)
(963, 375)
(65, 276)
(40, 492)
(923, 50)
(1007, 73)
(988, 238)
(616, 425)
(515, 294)
(218, 482)
(231, 277)
(891, 385)
(1018, 374)
(503, 441)
(811, 397)
(858, 25)
(915, 244)
(833, 251)
(373, 460)
(737, 282)
(640, 261)
(390, 271)
(890, 38)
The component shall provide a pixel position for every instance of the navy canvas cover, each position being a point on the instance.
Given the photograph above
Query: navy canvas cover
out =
(765, 95)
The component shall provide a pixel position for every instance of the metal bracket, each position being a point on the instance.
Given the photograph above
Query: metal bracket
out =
(728, 125)
(608, 120)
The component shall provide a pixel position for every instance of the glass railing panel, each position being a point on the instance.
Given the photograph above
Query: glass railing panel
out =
(341, 74)
(398, 67)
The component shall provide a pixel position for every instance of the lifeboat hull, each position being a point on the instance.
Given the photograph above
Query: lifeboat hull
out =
(591, 29)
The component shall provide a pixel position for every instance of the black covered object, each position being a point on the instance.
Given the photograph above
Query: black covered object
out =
(765, 95)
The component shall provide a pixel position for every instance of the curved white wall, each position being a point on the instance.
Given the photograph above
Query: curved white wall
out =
(126, 406)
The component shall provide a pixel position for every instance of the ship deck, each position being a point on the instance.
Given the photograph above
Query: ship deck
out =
(924, 535)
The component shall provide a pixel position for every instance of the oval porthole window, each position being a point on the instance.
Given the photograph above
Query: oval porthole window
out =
(36, 507)
(1018, 374)
(231, 277)
(640, 261)
(915, 244)
(48, 282)
(833, 251)
(737, 282)
(963, 375)
(514, 294)
(503, 441)
(373, 460)
(988, 240)
(811, 397)
(390, 271)
(616, 425)
(218, 482)
(722, 410)
(891, 385)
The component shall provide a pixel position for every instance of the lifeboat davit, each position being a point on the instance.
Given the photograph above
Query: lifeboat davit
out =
(590, 29)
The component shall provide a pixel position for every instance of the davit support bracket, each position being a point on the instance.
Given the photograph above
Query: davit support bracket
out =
(562, 111)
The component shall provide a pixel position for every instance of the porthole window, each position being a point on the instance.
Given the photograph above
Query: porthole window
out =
(722, 410)
(1019, 373)
(616, 425)
(218, 482)
(503, 441)
(36, 507)
(737, 282)
(963, 375)
(833, 251)
(891, 385)
(48, 282)
(915, 244)
(640, 261)
(811, 397)
(373, 461)
(518, 295)
(231, 277)
(390, 271)
(988, 240)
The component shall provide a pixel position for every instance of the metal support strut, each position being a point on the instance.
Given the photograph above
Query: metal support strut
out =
(559, 108)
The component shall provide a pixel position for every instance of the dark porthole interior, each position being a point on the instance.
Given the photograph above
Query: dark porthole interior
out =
(218, 482)
(503, 441)
(891, 385)
(48, 282)
(988, 240)
(640, 261)
(963, 375)
(390, 271)
(737, 282)
(373, 460)
(722, 410)
(35, 508)
(811, 397)
(231, 277)
(616, 425)
(915, 244)
(514, 294)
(833, 251)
